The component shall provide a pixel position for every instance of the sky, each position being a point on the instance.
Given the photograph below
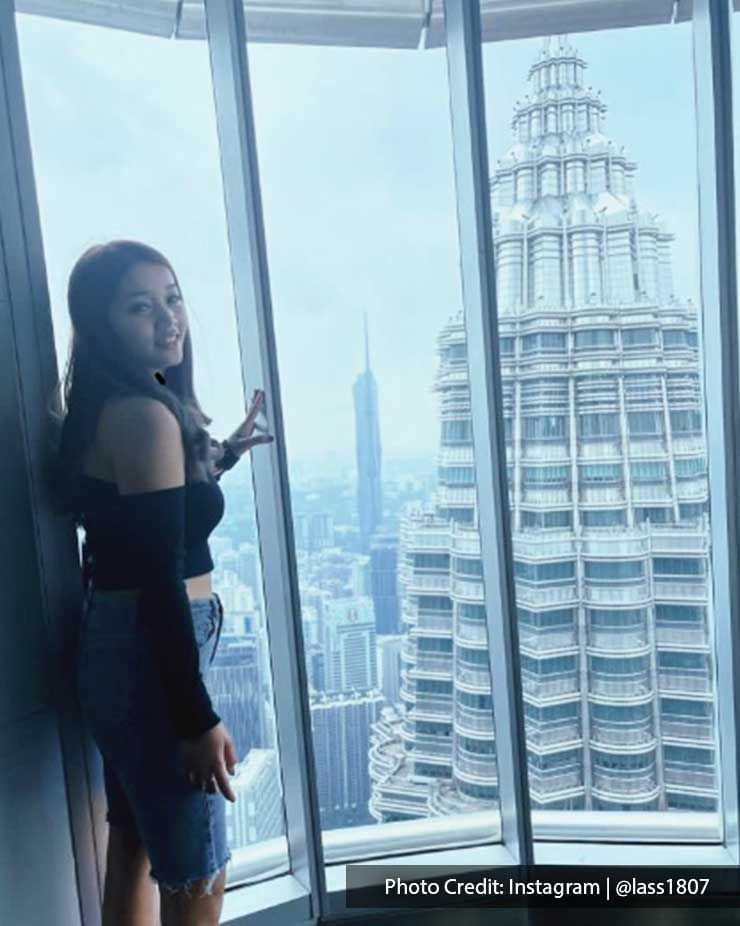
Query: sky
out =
(356, 165)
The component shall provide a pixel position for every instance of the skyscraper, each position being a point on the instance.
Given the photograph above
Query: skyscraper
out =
(348, 644)
(384, 579)
(341, 724)
(236, 688)
(608, 493)
(367, 449)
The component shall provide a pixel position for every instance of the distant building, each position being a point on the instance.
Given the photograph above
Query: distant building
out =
(314, 531)
(361, 584)
(248, 567)
(349, 645)
(367, 448)
(234, 681)
(257, 814)
(341, 724)
(384, 582)
(316, 667)
(389, 666)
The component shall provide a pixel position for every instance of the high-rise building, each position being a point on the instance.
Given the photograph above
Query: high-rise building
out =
(235, 683)
(257, 813)
(389, 666)
(367, 449)
(350, 659)
(384, 581)
(314, 531)
(608, 496)
(341, 724)
(248, 567)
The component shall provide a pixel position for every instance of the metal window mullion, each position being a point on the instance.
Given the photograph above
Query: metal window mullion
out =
(237, 144)
(467, 107)
(713, 92)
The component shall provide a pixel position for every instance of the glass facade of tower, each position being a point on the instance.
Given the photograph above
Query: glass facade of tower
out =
(608, 493)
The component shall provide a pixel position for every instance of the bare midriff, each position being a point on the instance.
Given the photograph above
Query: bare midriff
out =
(196, 586)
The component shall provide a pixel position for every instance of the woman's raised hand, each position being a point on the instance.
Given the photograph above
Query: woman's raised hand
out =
(242, 439)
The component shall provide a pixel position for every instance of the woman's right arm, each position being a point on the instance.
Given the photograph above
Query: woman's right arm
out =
(148, 461)
(149, 467)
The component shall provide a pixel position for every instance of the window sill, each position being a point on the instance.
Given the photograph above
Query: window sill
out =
(281, 901)
(607, 838)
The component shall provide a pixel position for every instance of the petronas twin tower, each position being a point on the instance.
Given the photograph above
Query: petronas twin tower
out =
(609, 502)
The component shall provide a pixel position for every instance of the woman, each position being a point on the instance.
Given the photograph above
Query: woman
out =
(138, 469)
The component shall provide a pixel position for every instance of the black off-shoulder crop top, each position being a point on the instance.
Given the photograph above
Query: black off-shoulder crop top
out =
(102, 504)
(153, 541)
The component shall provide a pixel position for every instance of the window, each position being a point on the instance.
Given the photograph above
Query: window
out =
(613, 571)
(434, 645)
(675, 338)
(690, 467)
(645, 423)
(677, 612)
(456, 352)
(454, 432)
(603, 424)
(654, 515)
(544, 572)
(649, 471)
(686, 422)
(124, 143)
(339, 138)
(545, 475)
(543, 619)
(665, 566)
(546, 427)
(606, 517)
(639, 337)
(544, 341)
(599, 473)
(623, 619)
(594, 339)
(543, 520)
(457, 475)
(430, 560)
(467, 567)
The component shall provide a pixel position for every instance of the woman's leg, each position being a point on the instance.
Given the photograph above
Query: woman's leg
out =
(193, 907)
(131, 898)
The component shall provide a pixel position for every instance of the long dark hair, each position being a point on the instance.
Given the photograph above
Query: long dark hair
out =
(95, 372)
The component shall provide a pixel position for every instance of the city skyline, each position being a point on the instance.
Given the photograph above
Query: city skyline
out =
(360, 225)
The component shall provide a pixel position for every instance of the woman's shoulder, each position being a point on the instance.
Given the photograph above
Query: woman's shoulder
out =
(145, 418)
(144, 443)
(136, 409)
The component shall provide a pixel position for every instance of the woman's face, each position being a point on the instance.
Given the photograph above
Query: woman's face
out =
(145, 313)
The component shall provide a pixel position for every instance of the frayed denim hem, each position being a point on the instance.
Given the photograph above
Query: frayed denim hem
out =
(186, 886)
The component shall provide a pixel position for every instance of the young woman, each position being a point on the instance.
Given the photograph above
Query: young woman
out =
(137, 468)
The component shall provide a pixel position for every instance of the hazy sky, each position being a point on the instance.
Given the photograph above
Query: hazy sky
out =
(356, 164)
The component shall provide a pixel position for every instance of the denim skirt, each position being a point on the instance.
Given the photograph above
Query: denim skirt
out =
(123, 703)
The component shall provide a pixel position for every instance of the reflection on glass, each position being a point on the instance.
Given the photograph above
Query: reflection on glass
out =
(132, 153)
(604, 422)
